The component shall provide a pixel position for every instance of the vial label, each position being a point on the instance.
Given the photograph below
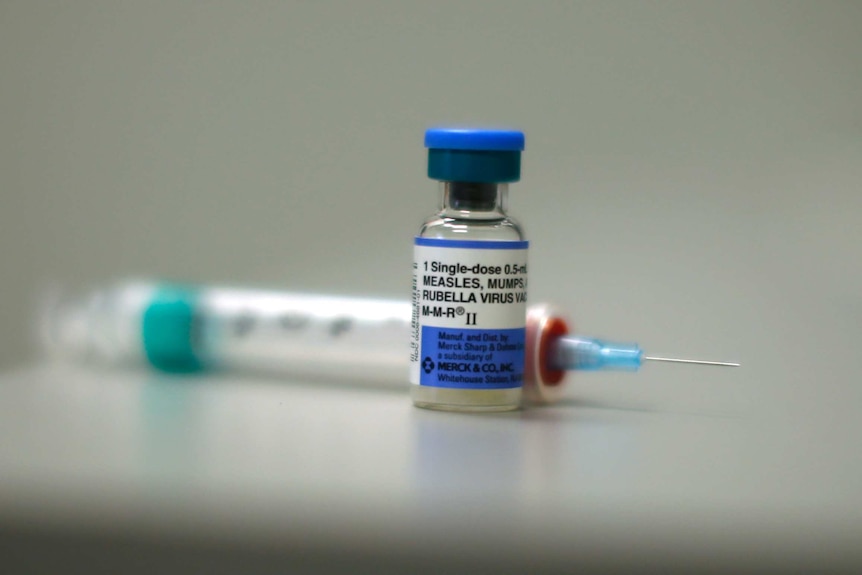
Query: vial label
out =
(469, 313)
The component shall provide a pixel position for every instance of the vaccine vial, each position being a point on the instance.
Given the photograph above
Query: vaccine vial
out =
(469, 302)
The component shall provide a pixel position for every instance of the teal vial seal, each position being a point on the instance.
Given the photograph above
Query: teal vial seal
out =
(470, 276)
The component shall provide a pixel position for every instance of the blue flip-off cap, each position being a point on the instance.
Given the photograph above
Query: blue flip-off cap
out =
(487, 139)
(487, 155)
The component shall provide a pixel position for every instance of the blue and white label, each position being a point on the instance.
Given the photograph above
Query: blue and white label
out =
(469, 313)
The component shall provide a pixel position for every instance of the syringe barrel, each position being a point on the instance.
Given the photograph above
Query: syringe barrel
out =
(361, 338)
(179, 328)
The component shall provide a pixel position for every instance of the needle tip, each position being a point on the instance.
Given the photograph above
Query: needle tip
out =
(694, 361)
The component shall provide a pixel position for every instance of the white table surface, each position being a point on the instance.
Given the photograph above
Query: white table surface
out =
(694, 475)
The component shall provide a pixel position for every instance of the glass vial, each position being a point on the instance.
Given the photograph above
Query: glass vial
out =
(470, 277)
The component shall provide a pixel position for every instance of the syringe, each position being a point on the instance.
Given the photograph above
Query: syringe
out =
(552, 351)
(179, 328)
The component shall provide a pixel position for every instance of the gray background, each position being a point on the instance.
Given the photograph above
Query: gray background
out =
(691, 180)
